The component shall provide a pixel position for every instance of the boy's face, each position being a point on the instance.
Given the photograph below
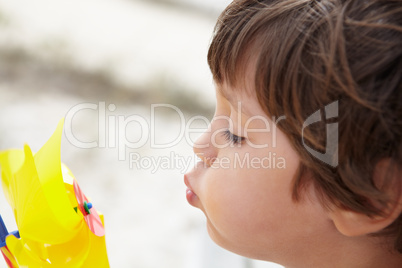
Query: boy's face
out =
(244, 185)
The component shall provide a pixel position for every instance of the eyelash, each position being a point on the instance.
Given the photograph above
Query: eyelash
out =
(234, 139)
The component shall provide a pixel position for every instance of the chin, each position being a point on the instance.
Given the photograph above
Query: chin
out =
(223, 242)
(243, 249)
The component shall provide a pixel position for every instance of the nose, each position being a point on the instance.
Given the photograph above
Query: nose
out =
(204, 149)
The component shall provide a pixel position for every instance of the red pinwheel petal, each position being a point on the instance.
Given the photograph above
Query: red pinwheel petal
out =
(92, 220)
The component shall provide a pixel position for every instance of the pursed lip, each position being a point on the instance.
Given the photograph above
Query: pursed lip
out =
(191, 195)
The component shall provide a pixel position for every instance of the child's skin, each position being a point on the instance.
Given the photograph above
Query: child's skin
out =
(250, 211)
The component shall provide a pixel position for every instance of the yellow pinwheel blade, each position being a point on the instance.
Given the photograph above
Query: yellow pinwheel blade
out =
(48, 165)
(35, 215)
(85, 250)
(23, 256)
(41, 193)
(38, 195)
(97, 256)
(68, 178)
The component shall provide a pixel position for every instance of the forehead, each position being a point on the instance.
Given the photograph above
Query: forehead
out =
(243, 88)
(240, 99)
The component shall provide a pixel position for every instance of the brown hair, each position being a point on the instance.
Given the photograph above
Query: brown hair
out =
(310, 54)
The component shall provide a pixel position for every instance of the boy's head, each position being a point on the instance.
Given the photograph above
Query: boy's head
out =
(328, 181)
(306, 55)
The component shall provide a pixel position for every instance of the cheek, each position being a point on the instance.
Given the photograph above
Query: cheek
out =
(240, 207)
(244, 206)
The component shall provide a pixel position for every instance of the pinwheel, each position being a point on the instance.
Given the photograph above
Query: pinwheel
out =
(57, 225)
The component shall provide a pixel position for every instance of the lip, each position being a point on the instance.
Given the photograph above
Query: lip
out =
(191, 195)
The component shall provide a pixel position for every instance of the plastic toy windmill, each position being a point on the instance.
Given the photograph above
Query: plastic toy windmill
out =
(57, 225)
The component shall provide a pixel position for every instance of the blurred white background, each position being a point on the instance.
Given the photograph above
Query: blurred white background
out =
(57, 54)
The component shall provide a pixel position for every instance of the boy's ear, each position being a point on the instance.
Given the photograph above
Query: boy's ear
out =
(388, 179)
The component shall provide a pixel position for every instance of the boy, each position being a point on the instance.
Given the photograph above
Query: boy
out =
(301, 164)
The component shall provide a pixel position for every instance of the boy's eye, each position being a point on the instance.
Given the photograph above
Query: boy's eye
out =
(234, 139)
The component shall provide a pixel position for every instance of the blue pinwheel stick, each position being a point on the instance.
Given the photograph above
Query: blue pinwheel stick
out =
(4, 233)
